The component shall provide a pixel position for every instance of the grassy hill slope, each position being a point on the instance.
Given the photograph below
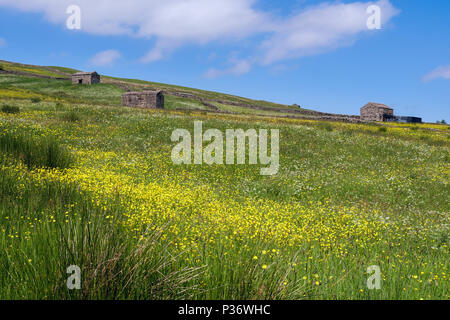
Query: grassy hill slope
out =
(49, 83)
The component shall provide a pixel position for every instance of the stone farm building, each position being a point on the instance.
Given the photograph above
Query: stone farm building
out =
(85, 78)
(376, 112)
(144, 99)
(380, 112)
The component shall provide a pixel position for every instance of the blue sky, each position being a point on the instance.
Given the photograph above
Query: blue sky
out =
(317, 54)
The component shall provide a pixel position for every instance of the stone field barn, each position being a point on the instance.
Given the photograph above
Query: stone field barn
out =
(376, 112)
(144, 99)
(85, 78)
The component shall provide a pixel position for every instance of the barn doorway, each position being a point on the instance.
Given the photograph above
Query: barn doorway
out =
(80, 81)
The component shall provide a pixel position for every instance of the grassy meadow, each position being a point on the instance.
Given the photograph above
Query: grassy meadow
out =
(86, 182)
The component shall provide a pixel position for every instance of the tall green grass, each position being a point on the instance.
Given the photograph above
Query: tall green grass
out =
(71, 116)
(35, 151)
(46, 226)
(10, 109)
(60, 227)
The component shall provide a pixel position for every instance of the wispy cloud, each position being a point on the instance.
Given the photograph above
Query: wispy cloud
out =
(3, 43)
(321, 28)
(105, 58)
(238, 68)
(175, 23)
(162, 50)
(442, 72)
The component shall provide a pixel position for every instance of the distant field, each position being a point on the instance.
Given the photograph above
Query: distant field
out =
(51, 89)
(7, 66)
(111, 89)
(89, 183)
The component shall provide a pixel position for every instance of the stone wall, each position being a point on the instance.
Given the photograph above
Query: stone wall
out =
(31, 75)
(145, 99)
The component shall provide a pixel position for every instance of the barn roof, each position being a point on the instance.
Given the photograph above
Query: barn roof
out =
(378, 105)
(143, 92)
(84, 73)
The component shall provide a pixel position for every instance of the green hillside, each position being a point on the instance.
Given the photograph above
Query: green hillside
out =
(87, 182)
(49, 84)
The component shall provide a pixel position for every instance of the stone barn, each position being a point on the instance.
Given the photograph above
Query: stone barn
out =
(144, 99)
(85, 78)
(376, 112)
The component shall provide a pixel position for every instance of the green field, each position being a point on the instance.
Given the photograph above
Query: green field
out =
(86, 182)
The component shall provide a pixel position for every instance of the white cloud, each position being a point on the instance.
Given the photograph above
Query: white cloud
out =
(177, 22)
(161, 50)
(3, 43)
(239, 67)
(105, 58)
(173, 22)
(320, 28)
(440, 72)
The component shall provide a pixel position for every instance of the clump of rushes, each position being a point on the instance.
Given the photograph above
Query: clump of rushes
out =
(10, 109)
(35, 100)
(382, 129)
(325, 126)
(35, 151)
(71, 116)
(69, 229)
